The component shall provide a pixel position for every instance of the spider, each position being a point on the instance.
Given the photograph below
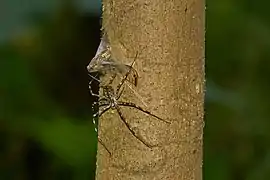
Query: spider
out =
(110, 100)
(103, 65)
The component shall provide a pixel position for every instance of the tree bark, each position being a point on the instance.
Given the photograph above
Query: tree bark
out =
(169, 38)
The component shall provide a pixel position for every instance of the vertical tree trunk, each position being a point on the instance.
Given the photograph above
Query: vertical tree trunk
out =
(169, 38)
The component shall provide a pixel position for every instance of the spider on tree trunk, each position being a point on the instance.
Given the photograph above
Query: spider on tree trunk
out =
(105, 67)
(110, 100)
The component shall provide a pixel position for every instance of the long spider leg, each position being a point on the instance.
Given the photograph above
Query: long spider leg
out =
(133, 105)
(94, 122)
(102, 102)
(101, 105)
(104, 110)
(94, 77)
(135, 76)
(91, 92)
(89, 85)
(103, 144)
(129, 128)
(120, 93)
(101, 111)
(125, 78)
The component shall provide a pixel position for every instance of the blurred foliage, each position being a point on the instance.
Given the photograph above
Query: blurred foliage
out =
(45, 110)
(237, 132)
(46, 120)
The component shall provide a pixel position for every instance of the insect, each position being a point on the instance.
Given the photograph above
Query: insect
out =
(107, 69)
(110, 100)
(105, 65)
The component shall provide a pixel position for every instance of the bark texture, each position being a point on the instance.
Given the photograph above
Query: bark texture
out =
(169, 38)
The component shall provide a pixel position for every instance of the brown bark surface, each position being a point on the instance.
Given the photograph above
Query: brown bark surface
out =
(169, 37)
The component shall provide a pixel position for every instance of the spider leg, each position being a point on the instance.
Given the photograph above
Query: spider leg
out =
(120, 93)
(91, 92)
(94, 122)
(135, 75)
(133, 105)
(102, 102)
(129, 128)
(101, 142)
(102, 111)
(99, 113)
(126, 76)
(94, 78)
(89, 86)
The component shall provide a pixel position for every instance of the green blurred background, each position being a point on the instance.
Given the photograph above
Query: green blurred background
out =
(46, 129)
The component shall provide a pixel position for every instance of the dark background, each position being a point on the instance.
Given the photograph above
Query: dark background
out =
(46, 129)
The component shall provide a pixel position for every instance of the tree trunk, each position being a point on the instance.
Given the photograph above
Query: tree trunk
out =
(169, 38)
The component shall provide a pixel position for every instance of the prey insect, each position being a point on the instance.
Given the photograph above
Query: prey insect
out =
(105, 65)
(111, 100)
